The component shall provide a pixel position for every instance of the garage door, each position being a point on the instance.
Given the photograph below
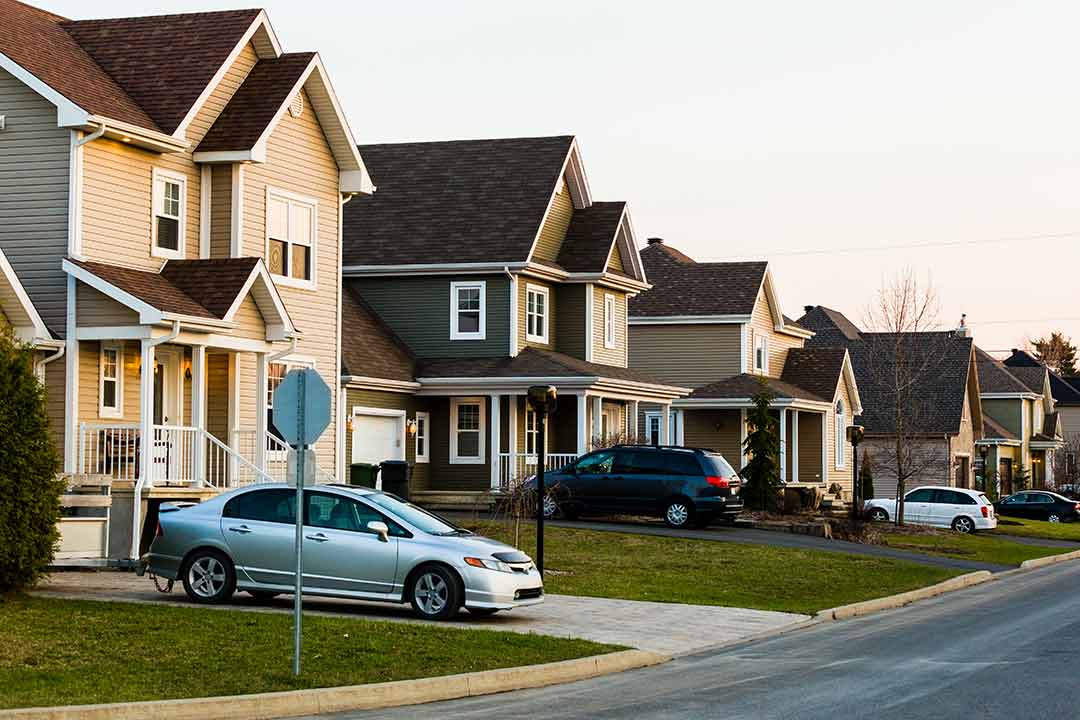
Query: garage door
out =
(377, 438)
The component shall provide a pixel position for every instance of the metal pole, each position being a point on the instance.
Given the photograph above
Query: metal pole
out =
(542, 452)
(298, 593)
(856, 491)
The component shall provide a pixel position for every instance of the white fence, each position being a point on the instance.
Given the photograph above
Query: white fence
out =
(520, 465)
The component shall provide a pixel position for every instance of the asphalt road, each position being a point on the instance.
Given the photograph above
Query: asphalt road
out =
(1006, 649)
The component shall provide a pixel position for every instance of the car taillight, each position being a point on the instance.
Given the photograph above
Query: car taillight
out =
(1078, 507)
(159, 532)
(985, 511)
(720, 482)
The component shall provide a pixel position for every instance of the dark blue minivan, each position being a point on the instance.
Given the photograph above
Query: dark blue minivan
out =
(684, 486)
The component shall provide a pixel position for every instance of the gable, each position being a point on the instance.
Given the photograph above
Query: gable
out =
(552, 233)
(95, 309)
(220, 95)
(249, 322)
(615, 262)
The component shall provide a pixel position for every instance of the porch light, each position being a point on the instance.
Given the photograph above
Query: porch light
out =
(411, 426)
(349, 424)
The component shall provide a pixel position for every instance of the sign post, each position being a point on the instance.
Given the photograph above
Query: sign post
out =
(302, 413)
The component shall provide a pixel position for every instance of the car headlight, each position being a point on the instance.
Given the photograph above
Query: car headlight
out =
(489, 564)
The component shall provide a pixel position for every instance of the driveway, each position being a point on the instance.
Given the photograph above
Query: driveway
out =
(665, 628)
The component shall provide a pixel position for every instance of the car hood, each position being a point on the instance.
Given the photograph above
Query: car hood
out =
(480, 545)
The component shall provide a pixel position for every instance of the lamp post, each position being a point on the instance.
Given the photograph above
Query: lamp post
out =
(543, 399)
(983, 452)
(855, 436)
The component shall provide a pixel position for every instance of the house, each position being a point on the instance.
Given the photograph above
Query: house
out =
(719, 328)
(479, 269)
(945, 418)
(1023, 428)
(180, 236)
(1065, 393)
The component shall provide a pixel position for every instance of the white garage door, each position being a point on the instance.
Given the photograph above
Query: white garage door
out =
(377, 438)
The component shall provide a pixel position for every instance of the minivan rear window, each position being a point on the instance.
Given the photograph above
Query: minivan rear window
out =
(717, 466)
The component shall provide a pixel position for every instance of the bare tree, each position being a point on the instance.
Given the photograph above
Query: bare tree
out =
(900, 357)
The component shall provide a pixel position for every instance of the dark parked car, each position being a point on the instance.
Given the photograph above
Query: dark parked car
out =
(1039, 505)
(684, 486)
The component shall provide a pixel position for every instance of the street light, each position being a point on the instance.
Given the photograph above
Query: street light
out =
(983, 452)
(854, 436)
(543, 399)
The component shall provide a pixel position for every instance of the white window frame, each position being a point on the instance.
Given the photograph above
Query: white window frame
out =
(545, 316)
(610, 311)
(839, 425)
(456, 459)
(761, 341)
(423, 420)
(105, 411)
(160, 176)
(455, 287)
(293, 199)
(535, 432)
(290, 363)
(652, 438)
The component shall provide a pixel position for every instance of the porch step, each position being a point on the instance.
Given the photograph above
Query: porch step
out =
(464, 500)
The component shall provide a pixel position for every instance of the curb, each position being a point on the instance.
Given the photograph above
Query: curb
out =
(868, 607)
(375, 696)
(1049, 560)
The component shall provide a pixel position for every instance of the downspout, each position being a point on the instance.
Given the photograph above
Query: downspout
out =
(91, 137)
(40, 365)
(284, 353)
(136, 509)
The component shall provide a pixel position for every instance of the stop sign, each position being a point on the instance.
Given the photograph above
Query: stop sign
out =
(302, 407)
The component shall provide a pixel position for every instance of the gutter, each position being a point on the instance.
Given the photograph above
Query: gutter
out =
(284, 353)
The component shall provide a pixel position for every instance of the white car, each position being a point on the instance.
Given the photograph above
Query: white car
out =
(965, 511)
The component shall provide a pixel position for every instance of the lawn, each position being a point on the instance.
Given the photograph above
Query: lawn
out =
(981, 547)
(1038, 529)
(62, 652)
(703, 572)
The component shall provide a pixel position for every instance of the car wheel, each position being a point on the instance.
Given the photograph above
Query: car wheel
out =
(209, 577)
(482, 612)
(551, 507)
(263, 595)
(879, 515)
(435, 593)
(963, 525)
(679, 513)
(1053, 517)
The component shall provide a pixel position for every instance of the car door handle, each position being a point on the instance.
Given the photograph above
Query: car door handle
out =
(318, 537)
(242, 529)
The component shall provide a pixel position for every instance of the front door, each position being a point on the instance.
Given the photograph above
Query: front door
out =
(1005, 476)
(341, 555)
(165, 450)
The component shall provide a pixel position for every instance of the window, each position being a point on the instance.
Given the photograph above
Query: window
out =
(597, 463)
(468, 306)
(536, 313)
(761, 353)
(466, 431)
(653, 423)
(291, 224)
(923, 495)
(532, 432)
(275, 373)
(841, 440)
(263, 505)
(652, 429)
(335, 512)
(423, 422)
(111, 386)
(169, 204)
(609, 321)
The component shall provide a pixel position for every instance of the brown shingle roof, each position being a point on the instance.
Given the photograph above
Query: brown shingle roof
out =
(254, 105)
(150, 287)
(994, 377)
(530, 362)
(747, 385)
(213, 283)
(816, 369)
(684, 287)
(369, 348)
(589, 237)
(830, 326)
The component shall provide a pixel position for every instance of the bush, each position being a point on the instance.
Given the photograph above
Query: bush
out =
(29, 487)
(762, 445)
(866, 477)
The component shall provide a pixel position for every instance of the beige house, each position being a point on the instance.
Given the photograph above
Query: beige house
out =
(179, 228)
(719, 329)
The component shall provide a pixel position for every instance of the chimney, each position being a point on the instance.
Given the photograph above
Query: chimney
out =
(656, 241)
(806, 309)
(963, 330)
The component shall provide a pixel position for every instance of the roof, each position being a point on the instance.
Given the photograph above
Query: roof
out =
(369, 348)
(462, 201)
(213, 284)
(815, 369)
(589, 237)
(681, 286)
(253, 107)
(530, 362)
(747, 385)
(994, 377)
(1062, 388)
(152, 288)
(1050, 431)
(830, 326)
(1034, 378)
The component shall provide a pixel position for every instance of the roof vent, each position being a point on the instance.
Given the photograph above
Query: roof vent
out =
(656, 241)
(296, 107)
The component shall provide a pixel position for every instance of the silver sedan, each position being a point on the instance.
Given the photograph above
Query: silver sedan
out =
(358, 543)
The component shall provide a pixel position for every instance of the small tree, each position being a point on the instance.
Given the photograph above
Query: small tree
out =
(1057, 352)
(1021, 479)
(762, 445)
(29, 487)
(866, 475)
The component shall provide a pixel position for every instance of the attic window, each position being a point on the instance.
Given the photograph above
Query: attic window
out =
(296, 107)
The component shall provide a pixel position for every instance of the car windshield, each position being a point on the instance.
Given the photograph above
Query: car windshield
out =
(419, 518)
(716, 465)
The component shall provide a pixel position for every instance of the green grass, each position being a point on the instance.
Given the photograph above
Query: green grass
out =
(703, 572)
(1037, 529)
(981, 547)
(61, 652)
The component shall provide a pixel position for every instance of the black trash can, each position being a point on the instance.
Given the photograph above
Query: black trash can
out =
(395, 477)
(363, 474)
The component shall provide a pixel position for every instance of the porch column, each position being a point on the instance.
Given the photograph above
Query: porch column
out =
(582, 430)
(825, 448)
(495, 423)
(742, 434)
(632, 420)
(512, 432)
(597, 416)
(783, 444)
(260, 410)
(795, 446)
(198, 409)
(146, 411)
(72, 438)
(665, 425)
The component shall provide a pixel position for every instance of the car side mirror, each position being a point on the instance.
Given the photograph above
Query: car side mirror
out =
(379, 528)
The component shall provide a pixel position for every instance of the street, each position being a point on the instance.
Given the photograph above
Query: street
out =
(1006, 649)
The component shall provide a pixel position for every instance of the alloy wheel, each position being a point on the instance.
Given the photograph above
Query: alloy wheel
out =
(207, 576)
(550, 506)
(677, 514)
(963, 525)
(431, 593)
(1054, 517)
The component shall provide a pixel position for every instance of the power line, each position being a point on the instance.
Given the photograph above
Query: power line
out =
(1064, 318)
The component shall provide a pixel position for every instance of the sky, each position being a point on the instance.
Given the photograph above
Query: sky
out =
(843, 141)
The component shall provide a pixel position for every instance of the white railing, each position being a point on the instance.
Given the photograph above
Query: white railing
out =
(111, 450)
(276, 456)
(520, 465)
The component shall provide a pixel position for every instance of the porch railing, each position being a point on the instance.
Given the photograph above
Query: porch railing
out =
(276, 458)
(521, 465)
(111, 450)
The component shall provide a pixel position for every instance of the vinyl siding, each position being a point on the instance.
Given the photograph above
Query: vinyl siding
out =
(615, 262)
(249, 321)
(421, 475)
(217, 395)
(839, 475)
(34, 166)
(522, 309)
(715, 429)
(569, 305)
(418, 310)
(95, 309)
(1006, 411)
(686, 355)
(553, 231)
(761, 321)
(809, 447)
(55, 376)
(221, 211)
(90, 386)
(609, 356)
(445, 476)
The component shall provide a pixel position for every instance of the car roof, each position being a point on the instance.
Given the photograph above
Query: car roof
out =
(966, 491)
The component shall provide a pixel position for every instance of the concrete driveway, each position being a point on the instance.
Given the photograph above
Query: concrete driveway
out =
(665, 628)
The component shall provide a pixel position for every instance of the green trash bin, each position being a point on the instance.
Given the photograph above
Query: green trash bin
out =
(363, 474)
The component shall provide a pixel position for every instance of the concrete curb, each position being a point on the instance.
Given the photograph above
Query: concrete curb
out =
(868, 607)
(375, 696)
(1049, 560)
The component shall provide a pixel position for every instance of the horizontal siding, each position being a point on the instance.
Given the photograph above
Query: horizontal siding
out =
(809, 447)
(522, 314)
(553, 232)
(686, 355)
(221, 211)
(761, 321)
(95, 309)
(34, 167)
(421, 475)
(217, 395)
(715, 429)
(615, 262)
(90, 386)
(609, 356)
(569, 307)
(55, 387)
(249, 321)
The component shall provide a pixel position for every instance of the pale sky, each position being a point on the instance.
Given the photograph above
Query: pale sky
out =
(759, 129)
